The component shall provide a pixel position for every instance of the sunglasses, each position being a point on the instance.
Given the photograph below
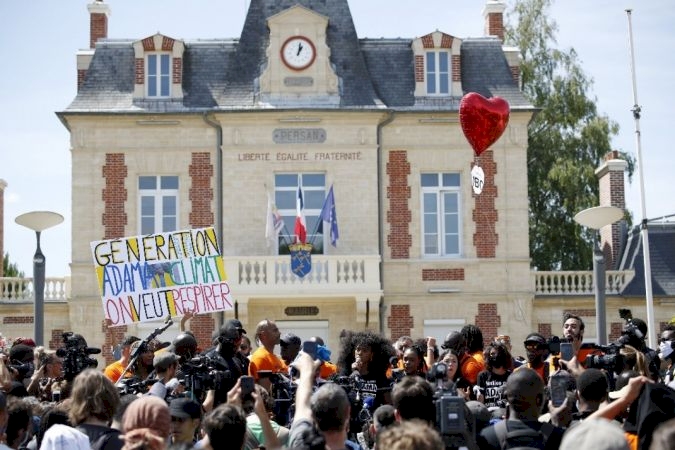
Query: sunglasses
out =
(665, 340)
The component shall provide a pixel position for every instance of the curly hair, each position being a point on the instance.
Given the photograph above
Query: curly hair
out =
(380, 346)
(501, 351)
(474, 338)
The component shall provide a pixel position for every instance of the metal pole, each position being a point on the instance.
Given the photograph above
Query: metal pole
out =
(599, 277)
(39, 288)
(643, 227)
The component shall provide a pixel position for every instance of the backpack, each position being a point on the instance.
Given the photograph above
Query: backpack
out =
(522, 438)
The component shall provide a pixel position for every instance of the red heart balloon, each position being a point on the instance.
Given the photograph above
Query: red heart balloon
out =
(483, 120)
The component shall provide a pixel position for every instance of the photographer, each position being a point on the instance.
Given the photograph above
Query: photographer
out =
(21, 367)
(635, 332)
(49, 372)
(223, 359)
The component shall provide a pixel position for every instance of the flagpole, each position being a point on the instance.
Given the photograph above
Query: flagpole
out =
(651, 332)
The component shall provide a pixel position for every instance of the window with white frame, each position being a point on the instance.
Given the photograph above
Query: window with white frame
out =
(158, 203)
(440, 214)
(158, 74)
(438, 72)
(313, 186)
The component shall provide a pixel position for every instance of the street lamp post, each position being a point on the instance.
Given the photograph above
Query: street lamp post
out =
(596, 218)
(39, 221)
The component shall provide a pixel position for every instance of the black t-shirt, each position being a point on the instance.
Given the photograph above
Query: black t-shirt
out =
(491, 385)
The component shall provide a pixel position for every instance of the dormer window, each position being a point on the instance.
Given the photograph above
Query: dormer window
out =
(438, 72)
(159, 75)
(159, 68)
(437, 66)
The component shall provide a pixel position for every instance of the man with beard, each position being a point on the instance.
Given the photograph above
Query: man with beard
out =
(573, 332)
(537, 351)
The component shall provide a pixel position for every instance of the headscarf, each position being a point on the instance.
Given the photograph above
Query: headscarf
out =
(147, 422)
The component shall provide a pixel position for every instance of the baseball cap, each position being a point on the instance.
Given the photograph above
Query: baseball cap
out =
(598, 434)
(290, 339)
(164, 360)
(535, 337)
(236, 324)
(185, 408)
(129, 340)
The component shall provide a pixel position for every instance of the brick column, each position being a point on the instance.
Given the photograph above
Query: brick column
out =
(114, 220)
(201, 215)
(485, 216)
(399, 214)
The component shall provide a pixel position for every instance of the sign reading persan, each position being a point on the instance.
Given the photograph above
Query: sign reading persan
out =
(146, 278)
(299, 135)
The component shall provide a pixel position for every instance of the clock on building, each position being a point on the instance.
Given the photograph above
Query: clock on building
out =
(298, 52)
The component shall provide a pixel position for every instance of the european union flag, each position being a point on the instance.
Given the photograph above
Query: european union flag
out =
(328, 215)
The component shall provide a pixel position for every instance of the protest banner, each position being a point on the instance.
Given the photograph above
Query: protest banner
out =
(146, 278)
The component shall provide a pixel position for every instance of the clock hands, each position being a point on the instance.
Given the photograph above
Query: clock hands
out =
(299, 49)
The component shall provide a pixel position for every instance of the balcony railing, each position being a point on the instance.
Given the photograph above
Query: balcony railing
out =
(22, 290)
(330, 273)
(579, 282)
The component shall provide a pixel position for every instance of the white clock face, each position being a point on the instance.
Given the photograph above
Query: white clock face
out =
(298, 52)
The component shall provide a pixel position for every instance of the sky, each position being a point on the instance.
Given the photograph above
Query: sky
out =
(39, 40)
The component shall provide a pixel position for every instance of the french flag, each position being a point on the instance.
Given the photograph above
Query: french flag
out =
(300, 225)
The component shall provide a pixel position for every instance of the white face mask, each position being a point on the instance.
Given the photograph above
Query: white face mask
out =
(666, 349)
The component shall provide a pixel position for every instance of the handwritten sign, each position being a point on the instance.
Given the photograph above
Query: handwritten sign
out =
(146, 278)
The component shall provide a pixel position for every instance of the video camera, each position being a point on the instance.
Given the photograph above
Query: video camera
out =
(612, 360)
(75, 355)
(203, 373)
(134, 385)
(454, 420)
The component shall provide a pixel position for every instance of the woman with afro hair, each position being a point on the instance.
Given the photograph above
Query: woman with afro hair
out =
(365, 357)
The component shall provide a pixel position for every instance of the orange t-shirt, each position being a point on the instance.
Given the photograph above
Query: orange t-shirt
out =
(261, 359)
(113, 371)
(327, 369)
(470, 368)
(479, 357)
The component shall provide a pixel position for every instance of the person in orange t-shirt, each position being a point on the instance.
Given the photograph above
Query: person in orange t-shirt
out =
(468, 366)
(114, 370)
(267, 336)
(474, 343)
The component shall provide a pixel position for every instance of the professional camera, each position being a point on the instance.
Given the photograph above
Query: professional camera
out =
(454, 420)
(203, 373)
(612, 360)
(75, 355)
(134, 385)
(283, 392)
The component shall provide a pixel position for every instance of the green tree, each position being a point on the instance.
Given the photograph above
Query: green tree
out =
(10, 269)
(567, 140)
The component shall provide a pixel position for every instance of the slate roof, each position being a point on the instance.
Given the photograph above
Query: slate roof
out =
(662, 260)
(222, 74)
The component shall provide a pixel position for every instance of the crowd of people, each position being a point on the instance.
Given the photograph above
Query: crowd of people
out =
(468, 392)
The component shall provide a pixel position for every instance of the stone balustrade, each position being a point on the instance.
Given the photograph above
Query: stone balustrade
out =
(579, 282)
(19, 290)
